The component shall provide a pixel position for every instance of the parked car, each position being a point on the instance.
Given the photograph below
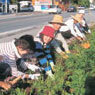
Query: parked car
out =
(81, 8)
(54, 9)
(71, 9)
(27, 8)
(92, 7)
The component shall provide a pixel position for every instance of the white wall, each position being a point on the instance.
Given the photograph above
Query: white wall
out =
(91, 1)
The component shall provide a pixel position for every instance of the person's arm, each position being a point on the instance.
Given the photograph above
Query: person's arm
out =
(64, 28)
(70, 24)
(79, 34)
(38, 34)
(5, 85)
(49, 56)
(15, 71)
(85, 26)
(33, 67)
(83, 22)
(12, 62)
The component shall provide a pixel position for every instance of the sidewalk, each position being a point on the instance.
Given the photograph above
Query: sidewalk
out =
(32, 31)
(4, 16)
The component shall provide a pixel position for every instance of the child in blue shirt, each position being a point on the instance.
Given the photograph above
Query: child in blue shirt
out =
(43, 52)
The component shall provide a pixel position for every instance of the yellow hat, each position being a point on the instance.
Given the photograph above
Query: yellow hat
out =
(77, 17)
(57, 19)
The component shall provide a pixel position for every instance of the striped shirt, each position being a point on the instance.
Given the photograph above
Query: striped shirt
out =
(10, 54)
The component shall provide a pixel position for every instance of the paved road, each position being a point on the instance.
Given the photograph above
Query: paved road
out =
(11, 24)
(17, 22)
(20, 22)
(33, 29)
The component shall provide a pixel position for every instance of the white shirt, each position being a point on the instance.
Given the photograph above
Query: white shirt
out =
(74, 29)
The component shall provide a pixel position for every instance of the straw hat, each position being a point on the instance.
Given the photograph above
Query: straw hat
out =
(57, 19)
(77, 17)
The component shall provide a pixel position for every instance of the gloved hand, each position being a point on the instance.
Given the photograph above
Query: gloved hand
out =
(49, 73)
(33, 67)
(64, 55)
(52, 65)
(34, 76)
(89, 31)
(68, 51)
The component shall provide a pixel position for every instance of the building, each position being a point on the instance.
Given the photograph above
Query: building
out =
(91, 1)
(4, 5)
(46, 2)
(41, 5)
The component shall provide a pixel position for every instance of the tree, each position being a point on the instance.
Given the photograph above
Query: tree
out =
(84, 3)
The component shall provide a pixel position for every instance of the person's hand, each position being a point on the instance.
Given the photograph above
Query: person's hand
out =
(34, 67)
(50, 74)
(79, 38)
(34, 76)
(84, 38)
(31, 76)
(14, 81)
(5, 85)
(25, 76)
(52, 65)
(89, 31)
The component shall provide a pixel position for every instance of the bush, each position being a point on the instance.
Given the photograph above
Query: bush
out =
(84, 3)
(73, 76)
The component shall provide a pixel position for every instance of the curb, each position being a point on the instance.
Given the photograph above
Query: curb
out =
(14, 32)
(4, 16)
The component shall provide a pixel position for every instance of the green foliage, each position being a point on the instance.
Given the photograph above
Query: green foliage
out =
(17, 91)
(85, 3)
(73, 76)
(13, 1)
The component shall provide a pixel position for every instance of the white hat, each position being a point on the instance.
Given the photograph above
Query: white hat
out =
(81, 11)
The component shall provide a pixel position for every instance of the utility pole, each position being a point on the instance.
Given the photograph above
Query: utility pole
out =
(5, 6)
(52, 2)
